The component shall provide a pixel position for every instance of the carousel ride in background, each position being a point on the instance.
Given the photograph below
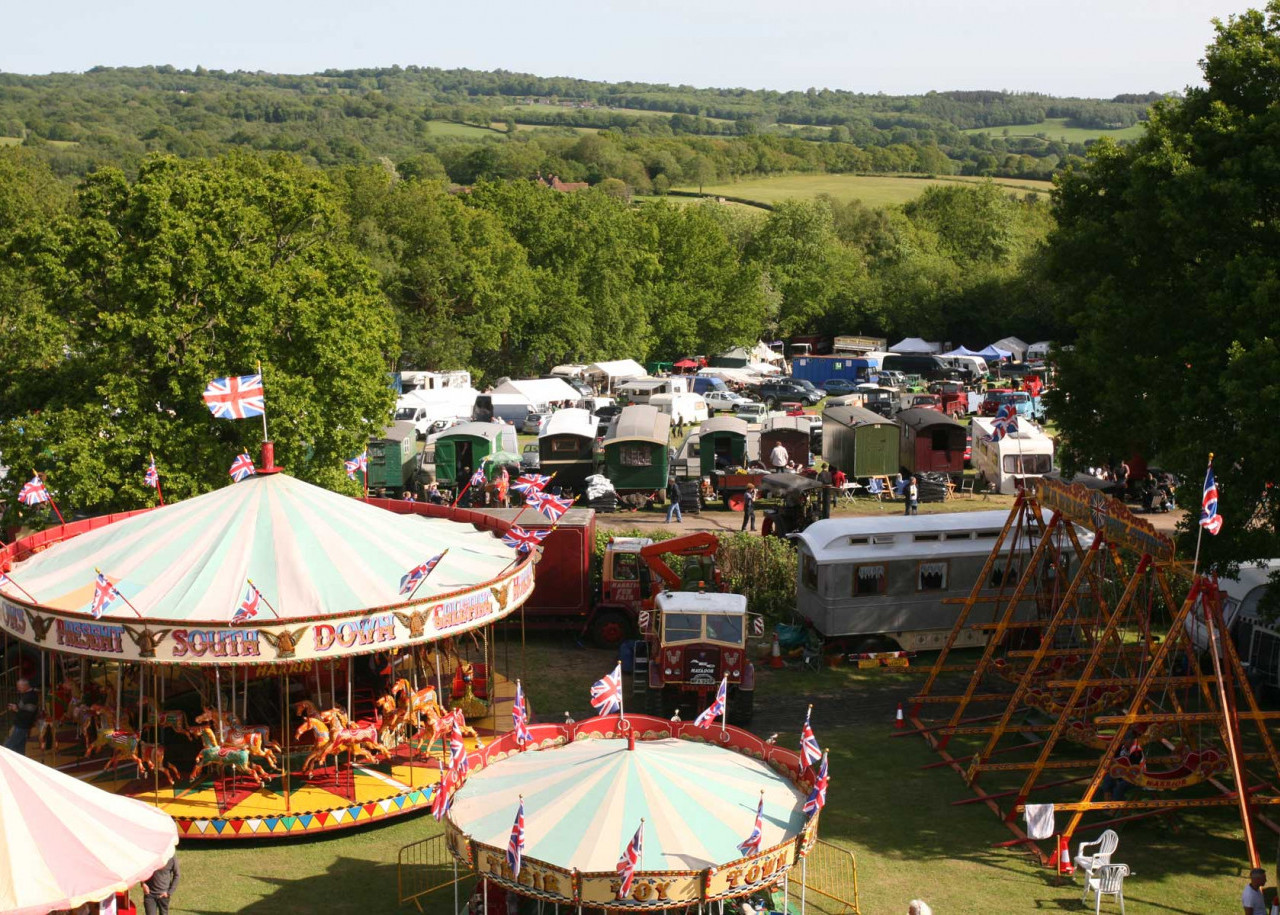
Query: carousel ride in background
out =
(267, 659)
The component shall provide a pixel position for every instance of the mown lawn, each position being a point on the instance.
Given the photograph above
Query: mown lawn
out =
(873, 190)
(1056, 129)
(897, 818)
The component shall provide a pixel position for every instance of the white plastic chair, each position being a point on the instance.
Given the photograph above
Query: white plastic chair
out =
(1108, 882)
(1088, 865)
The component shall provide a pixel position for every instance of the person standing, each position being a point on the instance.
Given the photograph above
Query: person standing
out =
(913, 497)
(27, 709)
(1251, 899)
(779, 458)
(749, 507)
(673, 496)
(158, 889)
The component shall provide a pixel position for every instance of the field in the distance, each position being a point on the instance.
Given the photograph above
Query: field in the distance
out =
(873, 190)
(1056, 129)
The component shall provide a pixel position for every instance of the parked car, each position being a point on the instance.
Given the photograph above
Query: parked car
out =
(532, 424)
(529, 457)
(838, 387)
(724, 401)
(752, 412)
(789, 389)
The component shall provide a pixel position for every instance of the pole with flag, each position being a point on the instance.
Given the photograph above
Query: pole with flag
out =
(717, 707)
(528, 484)
(606, 693)
(359, 464)
(817, 798)
(34, 492)
(810, 752)
(1210, 520)
(412, 580)
(515, 845)
(477, 479)
(631, 860)
(152, 479)
(520, 718)
(7, 582)
(105, 594)
(751, 844)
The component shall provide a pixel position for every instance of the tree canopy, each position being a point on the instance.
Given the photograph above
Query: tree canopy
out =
(1169, 254)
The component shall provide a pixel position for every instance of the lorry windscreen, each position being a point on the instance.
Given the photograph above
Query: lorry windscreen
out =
(682, 627)
(724, 629)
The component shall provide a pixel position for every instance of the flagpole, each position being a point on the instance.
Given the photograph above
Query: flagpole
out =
(128, 603)
(1200, 527)
(525, 507)
(724, 712)
(9, 579)
(267, 602)
(409, 599)
(159, 491)
(265, 437)
(622, 713)
(61, 520)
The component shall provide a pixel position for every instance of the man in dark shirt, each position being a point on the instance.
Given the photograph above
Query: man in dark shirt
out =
(159, 888)
(27, 708)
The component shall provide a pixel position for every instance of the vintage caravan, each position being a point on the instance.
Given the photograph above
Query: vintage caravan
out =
(1007, 464)
(859, 442)
(566, 447)
(636, 456)
(890, 582)
(690, 408)
(931, 441)
(460, 449)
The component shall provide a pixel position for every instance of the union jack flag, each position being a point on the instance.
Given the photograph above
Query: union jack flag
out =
(530, 482)
(33, 492)
(242, 467)
(1210, 520)
(520, 717)
(629, 861)
(358, 464)
(248, 608)
(523, 540)
(606, 693)
(515, 845)
(751, 844)
(444, 795)
(478, 478)
(553, 507)
(237, 397)
(716, 708)
(810, 752)
(818, 796)
(5, 580)
(1006, 421)
(417, 574)
(104, 595)
(152, 477)
(457, 748)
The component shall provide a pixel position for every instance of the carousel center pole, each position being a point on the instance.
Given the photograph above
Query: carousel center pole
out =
(158, 753)
(285, 731)
(119, 693)
(142, 680)
(245, 693)
(217, 679)
(351, 706)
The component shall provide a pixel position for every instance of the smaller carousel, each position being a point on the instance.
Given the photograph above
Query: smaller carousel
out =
(269, 659)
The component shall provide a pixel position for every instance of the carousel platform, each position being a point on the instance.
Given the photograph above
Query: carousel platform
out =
(330, 798)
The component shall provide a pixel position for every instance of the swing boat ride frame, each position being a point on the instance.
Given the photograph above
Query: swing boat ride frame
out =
(1098, 670)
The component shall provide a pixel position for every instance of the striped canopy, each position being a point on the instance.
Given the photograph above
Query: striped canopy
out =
(64, 842)
(311, 552)
(583, 802)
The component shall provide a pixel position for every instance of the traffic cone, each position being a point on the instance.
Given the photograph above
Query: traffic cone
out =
(899, 723)
(775, 653)
(1064, 857)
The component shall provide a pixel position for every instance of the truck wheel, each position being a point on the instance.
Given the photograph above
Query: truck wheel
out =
(741, 707)
(610, 628)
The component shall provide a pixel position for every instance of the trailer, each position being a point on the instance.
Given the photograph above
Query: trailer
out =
(817, 369)
(1006, 465)
(859, 442)
(930, 441)
(566, 447)
(792, 432)
(393, 459)
(460, 449)
(635, 453)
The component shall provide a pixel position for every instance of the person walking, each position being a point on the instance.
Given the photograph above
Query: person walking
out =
(26, 709)
(1252, 900)
(158, 889)
(913, 497)
(673, 496)
(749, 507)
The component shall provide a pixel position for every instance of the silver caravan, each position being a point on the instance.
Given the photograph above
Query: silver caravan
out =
(890, 579)
(1257, 639)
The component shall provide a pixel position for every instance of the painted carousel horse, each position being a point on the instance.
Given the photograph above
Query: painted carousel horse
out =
(335, 717)
(153, 755)
(124, 747)
(173, 719)
(213, 754)
(406, 706)
(256, 739)
(103, 720)
(358, 739)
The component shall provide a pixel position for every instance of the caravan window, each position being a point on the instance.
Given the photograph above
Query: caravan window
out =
(1031, 463)
(564, 446)
(809, 572)
(635, 456)
(1001, 575)
(932, 575)
(869, 580)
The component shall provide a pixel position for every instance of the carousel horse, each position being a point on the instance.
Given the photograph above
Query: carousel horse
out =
(212, 753)
(173, 719)
(316, 726)
(356, 740)
(333, 717)
(153, 755)
(124, 746)
(103, 719)
(257, 738)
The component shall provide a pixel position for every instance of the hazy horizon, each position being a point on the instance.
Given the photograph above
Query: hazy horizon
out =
(1096, 49)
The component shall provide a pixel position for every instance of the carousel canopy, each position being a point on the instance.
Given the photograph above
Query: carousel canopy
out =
(310, 552)
(584, 801)
(64, 842)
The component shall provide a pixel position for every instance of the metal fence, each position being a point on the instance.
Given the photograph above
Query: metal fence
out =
(426, 866)
(825, 882)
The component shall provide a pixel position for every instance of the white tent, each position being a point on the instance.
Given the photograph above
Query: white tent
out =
(762, 353)
(1039, 350)
(539, 392)
(763, 368)
(64, 842)
(737, 376)
(914, 345)
(1017, 348)
(609, 374)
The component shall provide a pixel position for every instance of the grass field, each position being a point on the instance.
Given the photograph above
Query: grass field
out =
(898, 818)
(463, 131)
(873, 190)
(1056, 129)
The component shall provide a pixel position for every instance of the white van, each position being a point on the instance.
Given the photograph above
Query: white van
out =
(973, 366)
(1028, 452)
(689, 408)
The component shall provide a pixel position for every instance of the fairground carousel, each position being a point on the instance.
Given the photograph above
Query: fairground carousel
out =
(266, 660)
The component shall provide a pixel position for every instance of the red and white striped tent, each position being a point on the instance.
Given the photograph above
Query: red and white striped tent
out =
(64, 842)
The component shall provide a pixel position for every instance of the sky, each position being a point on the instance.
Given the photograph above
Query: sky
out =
(1095, 48)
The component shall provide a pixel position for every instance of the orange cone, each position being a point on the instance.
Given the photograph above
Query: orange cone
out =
(775, 653)
(899, 722)
(1064, 857)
